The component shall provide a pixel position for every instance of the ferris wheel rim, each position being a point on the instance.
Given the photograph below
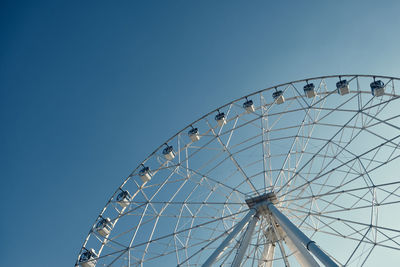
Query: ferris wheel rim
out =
(260, 91)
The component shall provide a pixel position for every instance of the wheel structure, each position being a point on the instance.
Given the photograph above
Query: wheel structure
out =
(304, 173)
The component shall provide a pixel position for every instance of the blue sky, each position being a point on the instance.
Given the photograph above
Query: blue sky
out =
(89, 88)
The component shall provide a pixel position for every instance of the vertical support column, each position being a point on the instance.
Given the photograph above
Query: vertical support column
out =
(296, 235)
(245, 242)
(299, 251)
(267, 256)
(279, 240)
(214, 256)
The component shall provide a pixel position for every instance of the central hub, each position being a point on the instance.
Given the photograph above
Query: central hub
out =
(268, 197)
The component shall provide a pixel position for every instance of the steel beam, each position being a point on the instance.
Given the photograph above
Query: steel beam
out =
(215, 255)
(296, 235)
(302, 255)
(267, 256)
(245, 242)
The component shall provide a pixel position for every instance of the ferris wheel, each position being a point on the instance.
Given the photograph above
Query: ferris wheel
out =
(305, 173)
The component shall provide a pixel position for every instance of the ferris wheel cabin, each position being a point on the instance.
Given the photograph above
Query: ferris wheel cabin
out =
(220, 118)
(87, 258)
(145, 174)
(342, 87)
(278, 97)
(168, 153)
(377, 88)
(309, 90)
(124, 199)
(249, 106)
(104, 226)
(194, 134)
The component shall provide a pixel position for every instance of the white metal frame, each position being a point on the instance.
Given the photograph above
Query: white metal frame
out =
(295, 149)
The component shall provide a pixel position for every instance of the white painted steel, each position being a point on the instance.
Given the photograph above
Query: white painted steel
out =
(214, 256)
(320, 152)
(267, 257)
(296, 235)
(299, 251)
(244, 244)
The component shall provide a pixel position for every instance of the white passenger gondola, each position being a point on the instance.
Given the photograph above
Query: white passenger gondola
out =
(249, 106)
(168, 153)
(104, 226)
(342, 87)
(194, 134)
(309, 90)
(377, 88)
(278, 97)
(87, 258)
(145, 174)
(220, 118)
(124, 199)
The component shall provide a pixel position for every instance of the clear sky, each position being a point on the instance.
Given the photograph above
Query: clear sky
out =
(89, 88)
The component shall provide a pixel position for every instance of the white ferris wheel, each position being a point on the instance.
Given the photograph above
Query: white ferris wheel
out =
(305, 173)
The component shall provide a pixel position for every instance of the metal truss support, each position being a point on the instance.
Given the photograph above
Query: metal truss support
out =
(267, 256)
(245, 242)
(215, 255)
(302, 255)
(297, 237)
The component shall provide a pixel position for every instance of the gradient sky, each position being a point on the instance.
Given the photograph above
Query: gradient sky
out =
(89, 88)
